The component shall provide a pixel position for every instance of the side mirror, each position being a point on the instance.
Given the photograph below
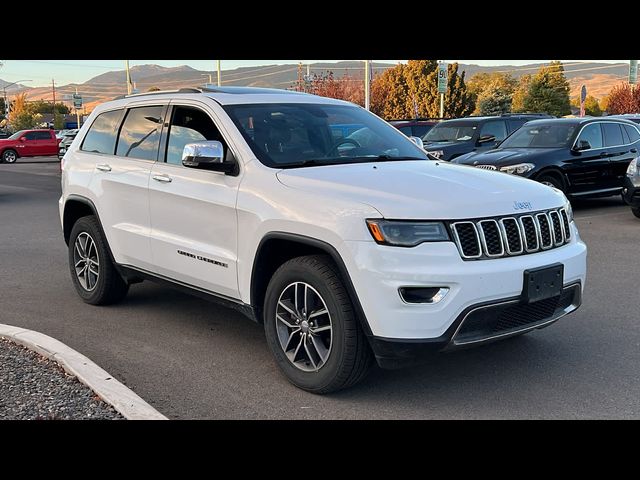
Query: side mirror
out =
(206, 155)
(22, 139)
(417, 141)
(487, 139)
(582, 145)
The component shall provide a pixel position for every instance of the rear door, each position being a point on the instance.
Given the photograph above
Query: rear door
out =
(47, 143)
(123, 145)
(620, 152)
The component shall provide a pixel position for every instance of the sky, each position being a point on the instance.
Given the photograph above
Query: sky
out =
(41, 72)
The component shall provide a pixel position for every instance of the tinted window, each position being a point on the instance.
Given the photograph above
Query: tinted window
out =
(43, 136)
(406, 130)
(451, 132)
(497, 129)
(612, 134)
(534, 135)
(140, 133)
(592, 134)
(188, 125)
(101, 137)
(420, 130)
(516, 123)
(633, 134)
(31, 136)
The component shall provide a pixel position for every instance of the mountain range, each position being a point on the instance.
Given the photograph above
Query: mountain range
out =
(598, 78)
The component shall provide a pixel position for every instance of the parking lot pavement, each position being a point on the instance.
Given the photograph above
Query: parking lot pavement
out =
(193, 359)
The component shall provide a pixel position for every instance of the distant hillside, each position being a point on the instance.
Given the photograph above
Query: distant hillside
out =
(598, 77)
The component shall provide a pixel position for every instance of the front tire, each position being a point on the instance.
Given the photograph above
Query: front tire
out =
(311, 327)
(636, 212)
(9, 156)
(551, 181)
(93, 273)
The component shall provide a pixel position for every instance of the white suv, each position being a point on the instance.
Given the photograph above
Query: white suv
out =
(317, 219)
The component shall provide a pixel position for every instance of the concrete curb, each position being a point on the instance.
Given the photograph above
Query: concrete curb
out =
(125, 401)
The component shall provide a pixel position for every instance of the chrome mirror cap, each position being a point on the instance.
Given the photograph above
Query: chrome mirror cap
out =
(195, 154)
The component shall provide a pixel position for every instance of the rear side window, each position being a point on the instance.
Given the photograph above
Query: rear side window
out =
(633, 134)
(140, 133)
(101, 137)
(612, 134)
(43, 136)
(516, 123)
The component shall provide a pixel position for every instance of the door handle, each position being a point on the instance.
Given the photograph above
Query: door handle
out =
(162, 178)
(634, 150)
(604, 154)
(103, 167)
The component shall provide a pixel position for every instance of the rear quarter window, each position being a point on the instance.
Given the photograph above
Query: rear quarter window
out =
(101, 137)
(632, 133)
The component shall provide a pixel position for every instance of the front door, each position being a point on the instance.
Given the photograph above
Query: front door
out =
(494, 128)
(588, 169)
(193, 211)
(29, 145)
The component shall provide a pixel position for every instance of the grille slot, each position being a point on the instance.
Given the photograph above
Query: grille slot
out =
(499, 237)
(558, 235)
(545, 231)
(565, 224)
(467, 239)
(512, 235)
(491, 238)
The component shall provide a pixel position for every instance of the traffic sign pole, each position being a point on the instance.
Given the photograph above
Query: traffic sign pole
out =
(442, 85)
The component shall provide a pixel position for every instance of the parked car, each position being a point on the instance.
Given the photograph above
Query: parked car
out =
(634, 117)
(242, 195)
(65, 141)
(4, 134)
(451, 138)
(414, 127)
(28, 143)
(583, 157)
(631, 190)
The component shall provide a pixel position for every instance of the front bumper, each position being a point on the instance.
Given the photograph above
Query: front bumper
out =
(631, 191)
(378, 272)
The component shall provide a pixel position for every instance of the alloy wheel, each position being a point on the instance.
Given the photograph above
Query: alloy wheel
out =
(10, 157)
(303, 325)
(86, 262)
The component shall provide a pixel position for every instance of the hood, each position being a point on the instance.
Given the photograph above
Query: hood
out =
(424, 189)
(505, 156)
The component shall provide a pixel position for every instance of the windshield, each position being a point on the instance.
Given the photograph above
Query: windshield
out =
(16, 135)
(444, 132)
(296, 135)
(540, 136)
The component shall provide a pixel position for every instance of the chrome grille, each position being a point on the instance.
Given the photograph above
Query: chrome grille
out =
(507, 236)
(486, 167)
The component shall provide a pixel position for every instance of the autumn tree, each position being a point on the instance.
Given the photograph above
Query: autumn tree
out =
(21, 117)
(492, 92)
(411, 89)
(623, 99)
(520, 93)
(548, 91)
(346, 87)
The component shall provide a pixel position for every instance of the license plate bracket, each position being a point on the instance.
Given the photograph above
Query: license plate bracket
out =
(542, 283)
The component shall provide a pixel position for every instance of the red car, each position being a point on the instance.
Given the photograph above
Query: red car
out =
(28, 143)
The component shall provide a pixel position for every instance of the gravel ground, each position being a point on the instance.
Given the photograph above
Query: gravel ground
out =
(35, 388)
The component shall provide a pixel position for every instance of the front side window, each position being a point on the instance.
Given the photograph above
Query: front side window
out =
(612, 134)
(295, 135)
(495, 129)
(140, 133)
(632, 132)
(540, 136)
(188, 125)
(16, 135)
(101, 137)
(593, 134)
(451, 132)
(31, 136)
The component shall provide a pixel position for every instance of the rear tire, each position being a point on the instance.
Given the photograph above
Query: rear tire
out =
(636, 212)
(93, 273)
(318, 352)
(9, 156)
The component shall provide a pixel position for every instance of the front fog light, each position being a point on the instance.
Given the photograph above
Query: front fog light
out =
(423, 294)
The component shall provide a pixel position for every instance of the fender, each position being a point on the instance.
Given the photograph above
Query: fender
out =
(328, 249)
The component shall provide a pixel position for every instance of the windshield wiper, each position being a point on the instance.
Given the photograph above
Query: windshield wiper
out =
(314, 162)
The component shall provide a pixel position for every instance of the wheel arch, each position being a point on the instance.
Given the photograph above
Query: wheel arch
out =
(76, 207)
(556, 172)
(13, 149)
(275, 248)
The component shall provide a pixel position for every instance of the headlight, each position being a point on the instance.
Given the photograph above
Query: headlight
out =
(518, 169)
(406, 233)
(567, 206)
(436, 153)
(633, 169)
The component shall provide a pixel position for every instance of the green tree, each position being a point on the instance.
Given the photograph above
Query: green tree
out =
(411, 89)
(58, 121)
(44, 107)
(494, 101)
(591, 106)
(549, 91)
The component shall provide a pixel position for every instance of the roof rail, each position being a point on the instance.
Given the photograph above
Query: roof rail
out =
(159, 92)
(419, 119)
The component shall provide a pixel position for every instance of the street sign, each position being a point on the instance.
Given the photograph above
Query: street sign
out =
(77, 101)
(633, 72)
(442, 77)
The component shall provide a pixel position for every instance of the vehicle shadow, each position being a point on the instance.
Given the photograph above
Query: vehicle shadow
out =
(592, 203)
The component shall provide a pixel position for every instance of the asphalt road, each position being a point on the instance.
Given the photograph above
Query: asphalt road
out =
(193, 359)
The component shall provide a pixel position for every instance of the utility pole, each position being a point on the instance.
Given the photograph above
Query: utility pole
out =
(219, 82)
(77, 112)
(367, 82)
(126, 62)
(53, 86)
